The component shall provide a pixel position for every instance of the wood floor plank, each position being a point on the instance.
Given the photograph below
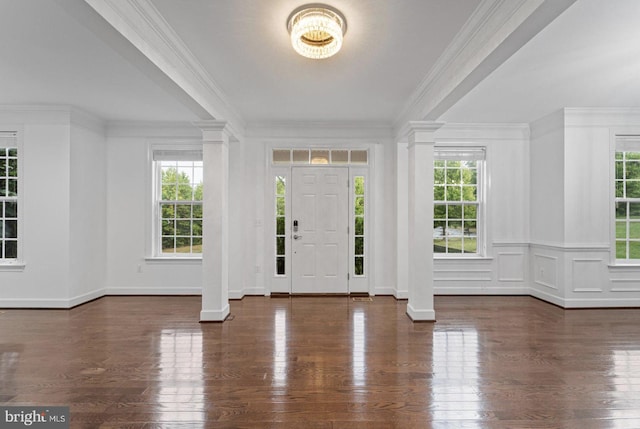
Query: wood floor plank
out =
(326, 362)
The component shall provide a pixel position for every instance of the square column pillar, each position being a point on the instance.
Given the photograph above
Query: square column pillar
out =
(420, 221)
(215, 221)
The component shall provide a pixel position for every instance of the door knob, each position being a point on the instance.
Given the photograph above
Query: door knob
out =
(297, 237)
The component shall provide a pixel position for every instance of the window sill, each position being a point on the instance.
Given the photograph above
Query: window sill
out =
(462, 258)
(12, 266)
(187, 260)
(625, 266)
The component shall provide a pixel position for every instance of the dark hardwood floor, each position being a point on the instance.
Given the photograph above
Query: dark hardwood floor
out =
(488, 362)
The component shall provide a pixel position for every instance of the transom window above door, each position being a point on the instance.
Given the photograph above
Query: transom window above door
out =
(320, 156)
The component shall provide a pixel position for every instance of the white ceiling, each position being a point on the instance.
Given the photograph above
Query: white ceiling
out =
(64, 52)
(588, 57)
(389, 47)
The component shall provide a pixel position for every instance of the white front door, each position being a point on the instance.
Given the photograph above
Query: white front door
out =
(319, 237)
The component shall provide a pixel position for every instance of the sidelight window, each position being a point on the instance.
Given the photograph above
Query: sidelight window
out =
(280, 195)
(359, 225)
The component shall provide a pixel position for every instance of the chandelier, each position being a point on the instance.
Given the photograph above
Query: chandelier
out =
(316, 30)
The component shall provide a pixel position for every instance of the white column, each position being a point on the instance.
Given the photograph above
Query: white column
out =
(215, 228)
(420, 221)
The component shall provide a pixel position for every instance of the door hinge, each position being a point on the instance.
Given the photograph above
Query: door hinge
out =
(348, 183)
(347, 230)
(348, 276)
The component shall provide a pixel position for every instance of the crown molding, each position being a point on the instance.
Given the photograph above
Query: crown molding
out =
(320, 129)
(601, 117)
(416, 127)
(88, 121)
(142, 24)
(456, 132)
(53, 114)
(496, 30)
(154, 129)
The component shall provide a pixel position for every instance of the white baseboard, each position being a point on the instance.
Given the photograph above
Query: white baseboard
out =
(86, 297)
(34, 303)
(482, 291)
(237, 294)
(153, 291)
(214, 315)
(384, 291)
(602, 303)
(547, 297)
(421, 315)
(401, 294)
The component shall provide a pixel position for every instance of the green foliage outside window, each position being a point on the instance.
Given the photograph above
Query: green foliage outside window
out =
(181, 208)
(627, 205)
(455, 195)
(8, 203)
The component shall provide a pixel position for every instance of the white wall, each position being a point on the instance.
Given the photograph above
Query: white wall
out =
(86, 210)
(87, 223)
(503, 269)
(547, 180)
(60, 218)
(254, 220)
(574, 265)
(259, 240)
(129, 216)
(241, 223)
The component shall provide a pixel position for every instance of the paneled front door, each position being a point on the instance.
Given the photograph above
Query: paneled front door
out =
(319, 238)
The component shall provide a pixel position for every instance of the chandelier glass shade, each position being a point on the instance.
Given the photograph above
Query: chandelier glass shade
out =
(316, 30)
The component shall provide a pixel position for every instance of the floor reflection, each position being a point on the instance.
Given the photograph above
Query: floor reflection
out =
(358, 339)
(626, 366)
(9, 360)
(181, 394)
(455, 376)
(280, 348)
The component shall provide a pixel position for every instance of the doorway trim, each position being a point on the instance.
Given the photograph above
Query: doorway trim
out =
(281, 284)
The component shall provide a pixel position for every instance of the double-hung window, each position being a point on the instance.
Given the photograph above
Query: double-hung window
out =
(178, 202)
(457, 199)
(627, 198)
(8, 197)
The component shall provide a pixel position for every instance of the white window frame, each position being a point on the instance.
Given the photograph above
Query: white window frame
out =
(168, 152)
(357, 167)
(622, 143)
(11, 137)
(469, 153)
(360, 282)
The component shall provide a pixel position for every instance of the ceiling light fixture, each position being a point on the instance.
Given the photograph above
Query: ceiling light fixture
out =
(316, 30)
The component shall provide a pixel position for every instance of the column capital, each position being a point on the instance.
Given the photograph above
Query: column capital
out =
(416, 132)
(422, 132)
(214, 131)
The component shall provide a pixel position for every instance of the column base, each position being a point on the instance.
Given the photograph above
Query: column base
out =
(420, 315)
(214, 315)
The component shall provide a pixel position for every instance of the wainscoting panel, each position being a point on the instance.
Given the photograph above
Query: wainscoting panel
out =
(511, 267)
(545, 270)
(587, 275)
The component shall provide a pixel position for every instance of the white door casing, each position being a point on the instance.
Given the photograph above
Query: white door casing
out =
(320, 246)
